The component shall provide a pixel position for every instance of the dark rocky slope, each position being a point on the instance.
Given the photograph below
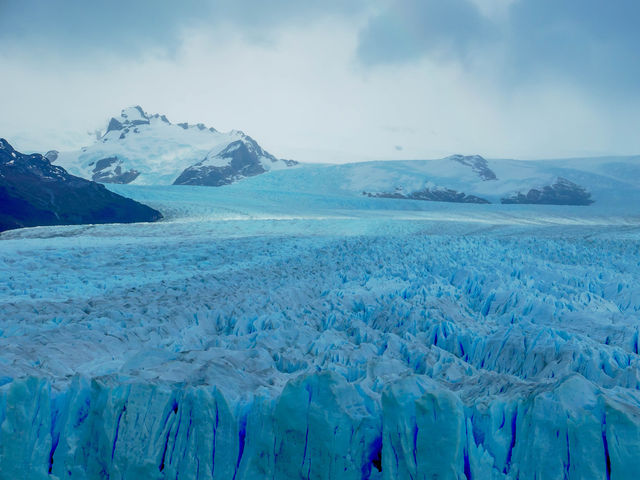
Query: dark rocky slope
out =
(431, 195)
(34, 192)
(240, 159)
(562, 192)
(477, 164)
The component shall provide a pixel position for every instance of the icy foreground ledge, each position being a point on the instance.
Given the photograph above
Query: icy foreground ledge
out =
(320, 426)
(264, 349)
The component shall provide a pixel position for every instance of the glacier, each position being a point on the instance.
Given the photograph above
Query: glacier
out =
(265, 330)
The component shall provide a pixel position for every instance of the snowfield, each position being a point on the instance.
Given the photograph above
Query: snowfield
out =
(265, 332)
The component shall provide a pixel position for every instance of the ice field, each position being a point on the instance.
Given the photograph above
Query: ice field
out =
(265, 332)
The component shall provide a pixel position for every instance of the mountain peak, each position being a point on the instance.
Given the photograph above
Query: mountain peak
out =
(4, 145)
(129, 117)
(248, 146)
(149, 149)
(466, 158)
(135, 115)
(239, 159)
(477, 163)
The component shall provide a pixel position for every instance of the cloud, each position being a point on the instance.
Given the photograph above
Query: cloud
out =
(125, 28)
(410, 29)
(591, 43)
(81, 28)
(331, 80)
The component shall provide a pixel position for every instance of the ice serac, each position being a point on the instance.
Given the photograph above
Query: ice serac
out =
(240, 159)
(34, 192)
(388, 348)
(321, 426)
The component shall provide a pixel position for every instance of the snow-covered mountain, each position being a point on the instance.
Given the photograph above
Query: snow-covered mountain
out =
(34, 192)
(240, 159)
(473, 179)
(150, 150)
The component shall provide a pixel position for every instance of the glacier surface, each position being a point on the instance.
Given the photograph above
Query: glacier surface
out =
(260, 332)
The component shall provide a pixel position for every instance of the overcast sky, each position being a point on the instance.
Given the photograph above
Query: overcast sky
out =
(331, 80)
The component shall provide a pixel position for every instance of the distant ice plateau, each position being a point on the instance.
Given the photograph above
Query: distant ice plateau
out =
(266, 329)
